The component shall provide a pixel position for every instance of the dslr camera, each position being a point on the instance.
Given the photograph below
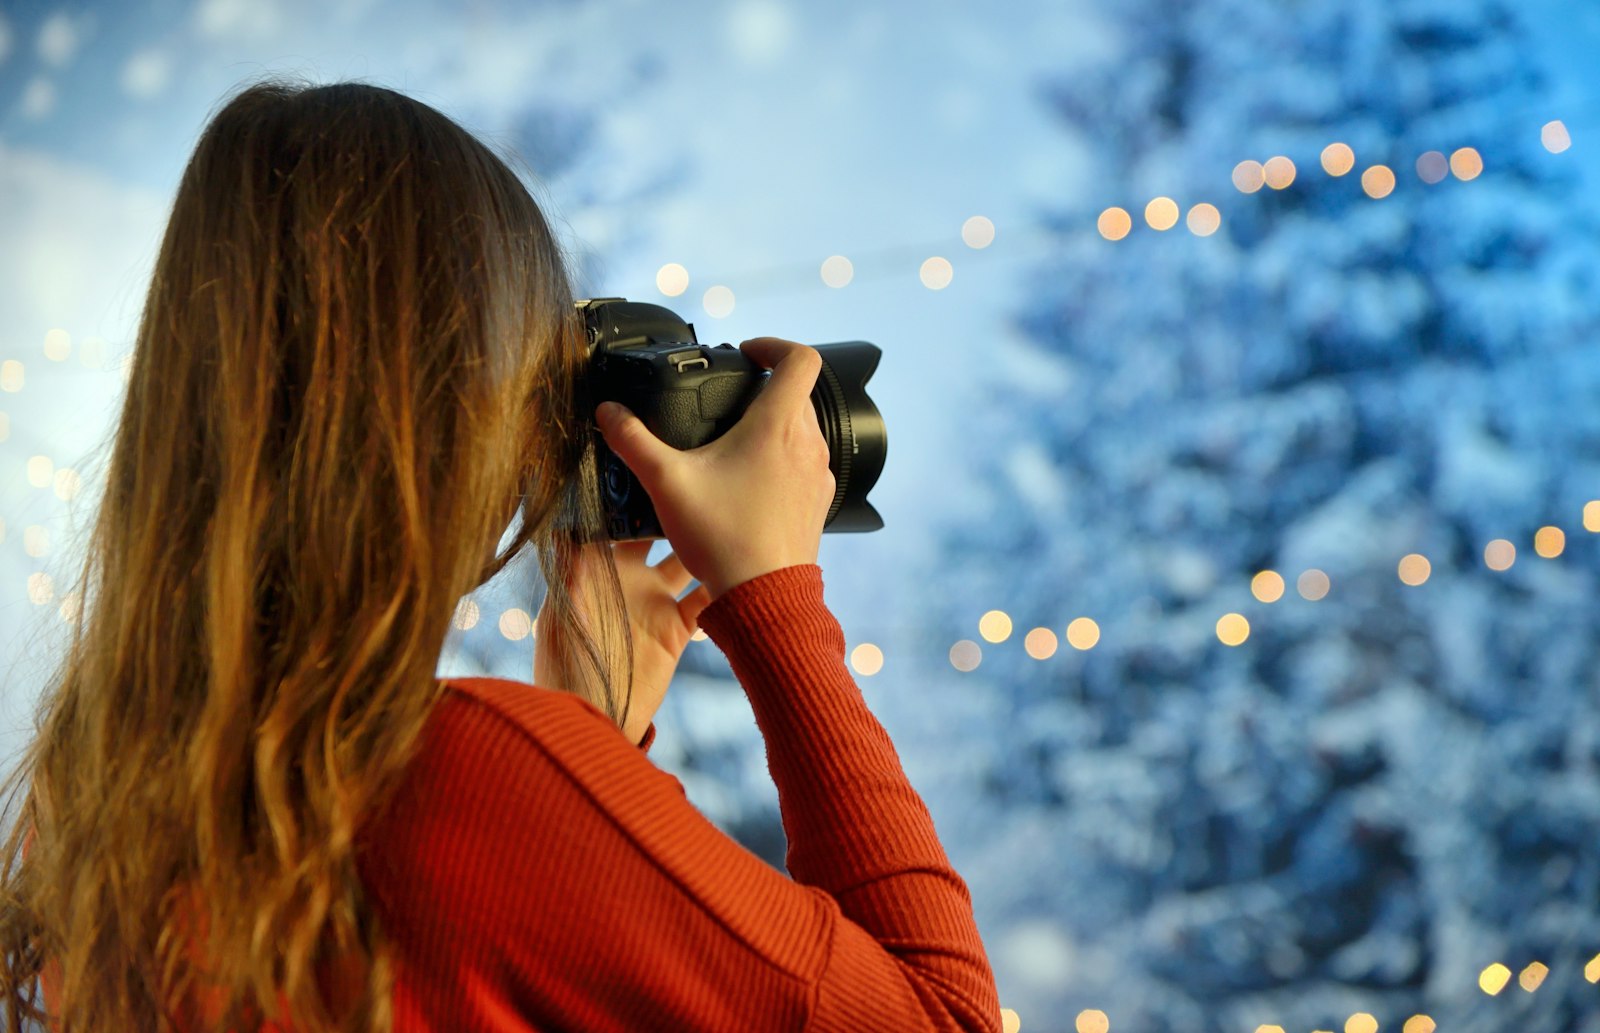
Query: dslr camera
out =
(688, 393)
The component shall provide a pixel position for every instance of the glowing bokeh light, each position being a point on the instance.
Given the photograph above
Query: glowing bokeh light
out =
(35, 540)
(1161, 214)
(718, 302)
(936, 273)
(1494, 979)
(1550, 542)
(71, 608)
(1555, 137)
(1499, 554)
(1432, 167)
(1466, 164)
(672, 279)
(866, 659)
(1591, 971)
(1378, 182)
(977, 232)
(1204, 220)
(11, 377)
(1279, 172)
(57, 345)
(466, 615)
(837, 271)
(1232, 629)
(515, 624)
(1267, 586)
(1591, 516)
(1115, 223)
(1415, 569)
(966, 655)
(41, 589)
(1040, 643)
(1010, 1021)
(995, 626)
(1313, 585)
(1419, 1024)
(1092, 1020)
(1361, 1022)
(1083, 634)
(1531, 977)
(1269, 1027)
(1249, 176)
(66, 483)
(1338, 159)
(41, 471)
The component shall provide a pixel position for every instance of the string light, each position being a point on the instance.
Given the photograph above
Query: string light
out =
(1550, 542)
(1555, 137)
(1531, 977)
(1415, 569)
(1591, 516)
(1432, 167)
(866, 659)
(1115, 223)
(718, 302)
(1233, 629)
(1361, 1022)
(1494, 979)
(1499, 554)
(672, 279)
(995, 626)
(1092, 1020)
(1249, 176)
(1083, 634)
(466, 615)
(41, 589)
(1204, 220)
(71, 607)
(1419, 1024)
(1267, 586)
(1279, 172)
(40, 471)
(1010, 1021)
(35, 541)
(837, 271)
(515, 624)
(936, 273)
(11, 376)
(66, 483)
(1466, 163)
(1591, 971)
(1040, 643)
(1267, 1027)
(966, 655)
(1161, 214)
(1378, 182)
(1313, 585)
(57, 345)
(1338, 159)
(977, 232)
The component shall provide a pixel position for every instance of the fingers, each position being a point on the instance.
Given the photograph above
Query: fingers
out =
(673, 573)
(644, 453)
(689, 606)
(794, 366)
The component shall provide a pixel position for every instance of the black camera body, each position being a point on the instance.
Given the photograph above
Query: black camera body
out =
(648, 359)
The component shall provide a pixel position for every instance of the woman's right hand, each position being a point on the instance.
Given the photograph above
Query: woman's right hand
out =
(752, 501)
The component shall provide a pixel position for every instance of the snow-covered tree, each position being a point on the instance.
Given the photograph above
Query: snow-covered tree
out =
(1383, 791)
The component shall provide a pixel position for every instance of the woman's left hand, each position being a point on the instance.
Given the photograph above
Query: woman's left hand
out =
(661, 624)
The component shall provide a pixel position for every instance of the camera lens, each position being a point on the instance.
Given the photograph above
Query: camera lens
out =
(854, 430)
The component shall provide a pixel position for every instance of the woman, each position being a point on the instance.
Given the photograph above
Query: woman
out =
(251, 804)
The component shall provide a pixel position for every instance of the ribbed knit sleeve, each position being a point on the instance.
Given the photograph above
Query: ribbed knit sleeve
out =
(535, 871)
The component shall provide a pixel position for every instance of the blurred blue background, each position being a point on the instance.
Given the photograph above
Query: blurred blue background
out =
(1225, 799)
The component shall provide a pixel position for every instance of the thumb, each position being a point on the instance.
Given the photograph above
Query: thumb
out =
(626, 435)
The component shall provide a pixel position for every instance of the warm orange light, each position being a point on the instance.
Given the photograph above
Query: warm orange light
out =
(1161, 214)
(1249, 176)
(1267, 586)
(1494, 979)
(1278, 172)
(1466, 163)
(1415, 569)
(1204, 220)
(1040, 643)
(866, 659)
(1010, 1021)
(995, 626)
(1092, 1020)
(1591, 516)
(1378, 182)
(1361, 1022)
(1419, 1024)
(1549, 542)
(1233, 629)
(1531, 977)
(672, 279)
(1083, 634)
(1338, 159)
(1115, 223)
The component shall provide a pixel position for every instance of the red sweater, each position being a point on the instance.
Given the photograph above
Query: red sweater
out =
(537, 872)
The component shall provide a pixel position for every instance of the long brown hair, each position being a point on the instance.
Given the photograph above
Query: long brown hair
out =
(356, 364)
